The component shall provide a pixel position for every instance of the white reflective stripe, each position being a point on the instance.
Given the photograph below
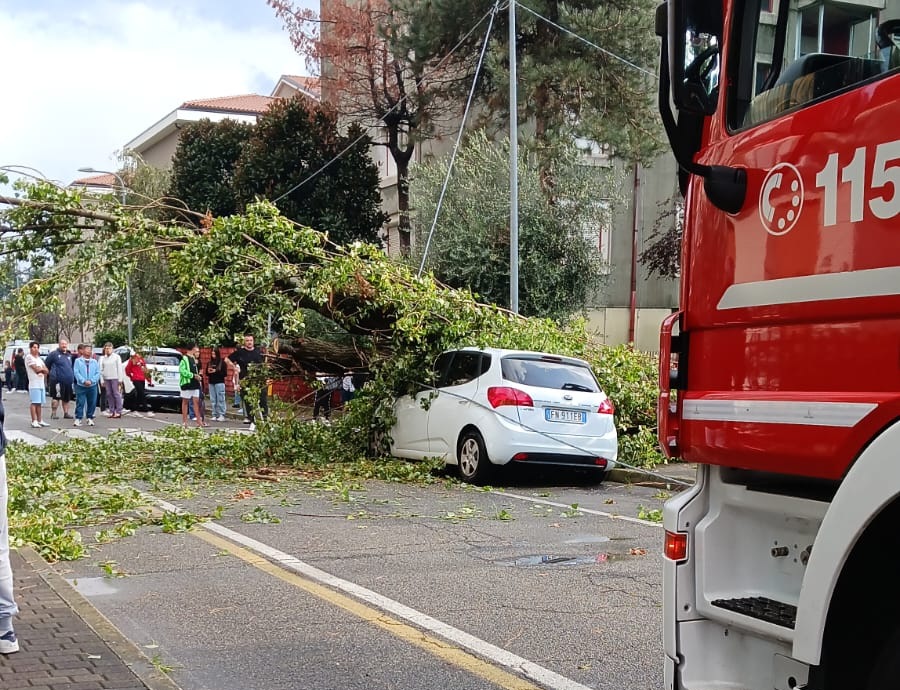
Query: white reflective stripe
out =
(873, 282)
(842, 414)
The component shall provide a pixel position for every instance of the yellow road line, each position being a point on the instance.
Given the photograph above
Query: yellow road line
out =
(436, 646)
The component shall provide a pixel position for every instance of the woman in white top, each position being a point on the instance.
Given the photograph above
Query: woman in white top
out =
(112, 373)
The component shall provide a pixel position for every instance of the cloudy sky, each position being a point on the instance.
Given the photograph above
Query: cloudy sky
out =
(81, 78)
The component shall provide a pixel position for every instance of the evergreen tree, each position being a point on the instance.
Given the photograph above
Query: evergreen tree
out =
(203, 167)
(568, 90)
(292, 142)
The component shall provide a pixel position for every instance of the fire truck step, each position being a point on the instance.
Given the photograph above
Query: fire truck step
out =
(763, 608)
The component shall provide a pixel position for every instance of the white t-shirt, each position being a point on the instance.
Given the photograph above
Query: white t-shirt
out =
(35, 380)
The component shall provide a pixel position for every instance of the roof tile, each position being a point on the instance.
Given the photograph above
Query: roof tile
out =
(247, 103)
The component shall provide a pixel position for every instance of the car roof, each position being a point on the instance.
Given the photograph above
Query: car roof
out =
(502, 352)
(151, 350)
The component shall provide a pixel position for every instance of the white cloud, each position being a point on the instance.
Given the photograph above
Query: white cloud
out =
(85, 78)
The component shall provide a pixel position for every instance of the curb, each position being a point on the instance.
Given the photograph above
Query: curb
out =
(621, 475)
(136, 661)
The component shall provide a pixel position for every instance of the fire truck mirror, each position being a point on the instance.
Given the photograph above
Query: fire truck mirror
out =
(695, 30)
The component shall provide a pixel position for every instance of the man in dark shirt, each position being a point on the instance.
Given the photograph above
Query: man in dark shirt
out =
(245, 358)
(8, 642)
(62, 378)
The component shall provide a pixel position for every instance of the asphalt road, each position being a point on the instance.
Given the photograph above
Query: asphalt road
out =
(547, 582)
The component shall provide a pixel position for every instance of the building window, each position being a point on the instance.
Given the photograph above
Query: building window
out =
(837, 30)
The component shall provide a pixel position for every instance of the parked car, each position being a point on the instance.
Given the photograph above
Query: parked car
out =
(162, 362)
(494, 407)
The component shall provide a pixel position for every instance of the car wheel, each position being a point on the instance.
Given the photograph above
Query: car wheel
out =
(474, 464)
(377, 444)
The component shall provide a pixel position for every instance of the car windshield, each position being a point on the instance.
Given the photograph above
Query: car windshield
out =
(163, 360)
(542, 373)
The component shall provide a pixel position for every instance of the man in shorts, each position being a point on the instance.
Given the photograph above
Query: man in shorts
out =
(62, 379)
(37, 384)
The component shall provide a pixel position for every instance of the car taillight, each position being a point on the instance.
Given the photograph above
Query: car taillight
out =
(606, 407)
(675, 548)
(504, 395)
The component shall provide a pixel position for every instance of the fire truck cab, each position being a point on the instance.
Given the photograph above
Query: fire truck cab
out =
(780, 373)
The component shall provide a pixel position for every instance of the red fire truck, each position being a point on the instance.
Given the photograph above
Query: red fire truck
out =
(780, 374)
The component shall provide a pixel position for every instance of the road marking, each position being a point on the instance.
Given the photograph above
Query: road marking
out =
(25, 437)
(310, 579)
(566, 506)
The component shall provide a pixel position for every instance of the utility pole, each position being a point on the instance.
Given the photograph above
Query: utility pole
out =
(513, 166)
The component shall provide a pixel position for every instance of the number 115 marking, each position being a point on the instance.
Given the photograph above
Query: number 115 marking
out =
(854, 174)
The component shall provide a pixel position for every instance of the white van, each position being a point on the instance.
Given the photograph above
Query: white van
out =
(44, 349)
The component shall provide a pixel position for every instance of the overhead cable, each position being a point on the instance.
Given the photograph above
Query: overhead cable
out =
(587, 41)
(462, 127)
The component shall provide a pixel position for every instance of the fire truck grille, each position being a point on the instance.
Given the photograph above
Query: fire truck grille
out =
(763, 608)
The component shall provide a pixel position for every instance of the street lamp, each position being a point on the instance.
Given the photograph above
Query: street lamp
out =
(128, 279)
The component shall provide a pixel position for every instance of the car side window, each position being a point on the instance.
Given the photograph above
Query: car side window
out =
(465, 367)
(440, 369)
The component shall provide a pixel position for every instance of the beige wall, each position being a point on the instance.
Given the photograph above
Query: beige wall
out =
(159, 155)
(609, 325)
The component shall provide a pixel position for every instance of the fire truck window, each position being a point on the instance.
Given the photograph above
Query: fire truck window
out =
(827, 49)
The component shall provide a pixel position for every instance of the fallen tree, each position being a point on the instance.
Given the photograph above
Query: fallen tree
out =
(259, 266)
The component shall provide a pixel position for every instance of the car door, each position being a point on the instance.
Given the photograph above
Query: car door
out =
(409, 436)
(454, 403)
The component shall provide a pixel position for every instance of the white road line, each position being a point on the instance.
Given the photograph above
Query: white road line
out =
(25, 437)
(566, 506)
(485, 650)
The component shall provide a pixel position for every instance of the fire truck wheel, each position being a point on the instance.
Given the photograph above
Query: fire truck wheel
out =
(886, 671)
(474, 465)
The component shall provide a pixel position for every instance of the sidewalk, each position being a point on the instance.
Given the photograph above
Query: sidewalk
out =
(66, 644)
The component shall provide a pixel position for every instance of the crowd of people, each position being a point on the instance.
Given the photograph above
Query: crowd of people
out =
(102, 382)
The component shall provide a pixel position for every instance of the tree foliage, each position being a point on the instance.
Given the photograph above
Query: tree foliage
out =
(568, 90)
(204, 163)
(662, 255)
(293, 141)
(260, 263)
(221, 167)
(560, 267)
(399, 93)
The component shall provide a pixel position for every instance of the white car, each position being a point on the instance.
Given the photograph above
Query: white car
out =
(163, 364)
(493, 407)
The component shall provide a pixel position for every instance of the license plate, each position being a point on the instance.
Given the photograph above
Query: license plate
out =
(170, 377)
(554, 414)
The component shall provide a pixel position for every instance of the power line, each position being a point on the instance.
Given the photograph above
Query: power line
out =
(588, 42)
(462, 127)
(393, 108)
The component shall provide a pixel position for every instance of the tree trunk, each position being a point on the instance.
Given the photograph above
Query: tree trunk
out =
(309, 355)
(403, 225)
(401, 155)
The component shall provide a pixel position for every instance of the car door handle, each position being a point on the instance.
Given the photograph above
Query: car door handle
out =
(462, 402)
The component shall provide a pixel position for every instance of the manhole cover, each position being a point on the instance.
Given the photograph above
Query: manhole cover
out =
(549, 559)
